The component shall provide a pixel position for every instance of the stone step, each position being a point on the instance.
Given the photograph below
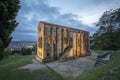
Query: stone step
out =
(103, 55)
(96, 64)
(102, 59)
(100, 62)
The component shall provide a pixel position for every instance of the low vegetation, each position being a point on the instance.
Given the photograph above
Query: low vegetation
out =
(111, 71)
(9, 71)
(24, 51)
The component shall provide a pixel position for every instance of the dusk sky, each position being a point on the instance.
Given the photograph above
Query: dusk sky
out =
(81, 14)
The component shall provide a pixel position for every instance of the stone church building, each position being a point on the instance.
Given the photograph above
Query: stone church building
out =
(56, 42)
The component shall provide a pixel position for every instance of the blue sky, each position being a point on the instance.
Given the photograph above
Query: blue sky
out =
(81, 14)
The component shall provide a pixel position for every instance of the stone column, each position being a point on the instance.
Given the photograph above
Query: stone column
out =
(64, 38)
(47, 42)
(71, 43)
(78, 45)
(70, 54)
(75, 44)
(88, 44)
(59, 42)
(85, 43)
(54, 46)
(82, 44)
(40, 49)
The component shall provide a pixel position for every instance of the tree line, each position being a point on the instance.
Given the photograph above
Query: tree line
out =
(8, 12)
(107, 37)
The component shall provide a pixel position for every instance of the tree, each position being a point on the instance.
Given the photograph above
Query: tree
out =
(109, 26)
(8, 12)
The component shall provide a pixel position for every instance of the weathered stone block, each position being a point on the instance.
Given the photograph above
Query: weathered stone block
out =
(60, 42)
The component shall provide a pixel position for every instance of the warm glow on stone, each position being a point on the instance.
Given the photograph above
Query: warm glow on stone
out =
(59, 42)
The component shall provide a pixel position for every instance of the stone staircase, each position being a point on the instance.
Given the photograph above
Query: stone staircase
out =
(63, 56)
(102, 59)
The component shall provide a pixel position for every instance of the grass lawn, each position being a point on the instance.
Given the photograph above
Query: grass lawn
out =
(9, 71)
(111, 70)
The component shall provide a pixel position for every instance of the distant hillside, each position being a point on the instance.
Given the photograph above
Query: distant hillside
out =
(20, 44)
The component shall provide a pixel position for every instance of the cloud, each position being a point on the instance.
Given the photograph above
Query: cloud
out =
(88, 11)
(79, 16)
(29, 16)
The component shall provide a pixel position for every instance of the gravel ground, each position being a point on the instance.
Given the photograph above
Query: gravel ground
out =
(35, 66)
(70, 68)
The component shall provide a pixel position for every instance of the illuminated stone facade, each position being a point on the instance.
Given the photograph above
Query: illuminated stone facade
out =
(56, 42)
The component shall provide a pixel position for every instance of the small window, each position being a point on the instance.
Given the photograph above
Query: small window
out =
(40, 42)
(54, 41)
(65, 40)
(71, 40)
(48, 41)
(40, 29)
(48, 54)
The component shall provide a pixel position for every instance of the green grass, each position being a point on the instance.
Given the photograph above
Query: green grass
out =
(9, 71)
(112, 70)
(103, 51)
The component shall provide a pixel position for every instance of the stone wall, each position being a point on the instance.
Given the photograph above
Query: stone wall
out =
(59, 41)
